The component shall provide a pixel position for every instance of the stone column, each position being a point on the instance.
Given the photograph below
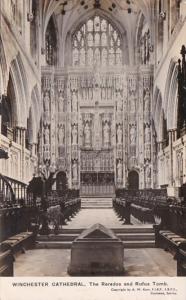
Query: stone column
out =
(20, 140)
(125, 136)
(22, 136)
(172, 190)
(140, 120)
(69, 139)
(53, 124)
(170, 133)
(159, 162)
(34, 149)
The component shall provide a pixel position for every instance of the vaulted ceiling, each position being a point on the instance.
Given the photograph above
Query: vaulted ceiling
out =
(125, 11)
(128, 14)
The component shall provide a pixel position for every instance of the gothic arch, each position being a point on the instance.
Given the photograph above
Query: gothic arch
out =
(133, 179)
(157, 109)
(9, 108)
(85, 17)
(35, 112)
(170, 102)
(3, 69)
(21, 90)
(139, 28)
(24, 81)
(19, 109)
(52, 22)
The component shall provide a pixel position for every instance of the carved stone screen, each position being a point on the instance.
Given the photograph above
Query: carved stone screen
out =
(96, 124)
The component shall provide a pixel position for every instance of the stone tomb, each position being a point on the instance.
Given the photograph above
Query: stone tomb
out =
(97, 251)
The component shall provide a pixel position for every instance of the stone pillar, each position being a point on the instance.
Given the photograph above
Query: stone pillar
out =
(165, 26)
(159, 162)
(125, 135)
(170, 133)
(172, 190)
(34, 149)
(172, 138)
(69, 139)
(140, 116)
(22, 142)
(52, 125)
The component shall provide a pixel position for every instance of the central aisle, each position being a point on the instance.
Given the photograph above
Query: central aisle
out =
(88, 217)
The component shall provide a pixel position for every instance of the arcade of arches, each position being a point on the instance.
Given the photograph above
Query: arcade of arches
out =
(92, 99)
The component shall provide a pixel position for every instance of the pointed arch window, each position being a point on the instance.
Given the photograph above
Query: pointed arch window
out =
(97, 42)
(51, 43)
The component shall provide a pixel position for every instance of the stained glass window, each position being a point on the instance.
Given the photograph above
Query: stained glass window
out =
(96, 42)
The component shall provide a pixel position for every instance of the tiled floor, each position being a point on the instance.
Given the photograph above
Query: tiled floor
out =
(137, 262)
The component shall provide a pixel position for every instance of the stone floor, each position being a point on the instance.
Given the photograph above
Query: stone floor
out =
(54, 262)
(137, 262)
(88, 217)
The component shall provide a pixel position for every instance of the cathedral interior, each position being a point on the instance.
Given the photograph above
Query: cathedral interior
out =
(92, 130)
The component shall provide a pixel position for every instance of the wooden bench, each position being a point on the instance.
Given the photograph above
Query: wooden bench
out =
(181, 262)
(171, 241)
(122, 209)
(143, 214)
(18, 242)
(6, 263)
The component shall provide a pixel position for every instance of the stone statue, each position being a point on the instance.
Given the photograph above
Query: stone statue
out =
(87, 134)
(147, 135)
(132, 135)
(147, 101)
(106, 134)
(119, 134)
(61, 135)
(119, 169)
(47, 136)
(74, 135)
(148, 176)
(119, 102)
(74, 171)
(46, 102)
(132, 104)
(74, 102)
(61, 103)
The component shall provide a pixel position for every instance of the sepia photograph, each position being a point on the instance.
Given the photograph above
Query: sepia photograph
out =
(93, 145)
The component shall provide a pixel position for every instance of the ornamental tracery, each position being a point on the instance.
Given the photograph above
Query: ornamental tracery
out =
(96, 42)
